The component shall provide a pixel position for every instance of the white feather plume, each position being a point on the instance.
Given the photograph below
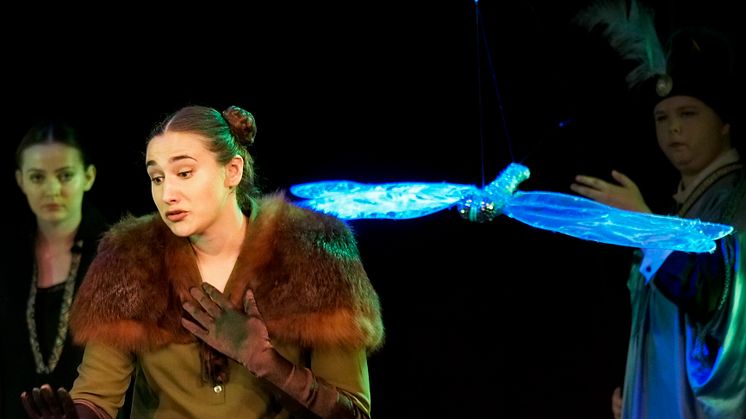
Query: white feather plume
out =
(632, 35)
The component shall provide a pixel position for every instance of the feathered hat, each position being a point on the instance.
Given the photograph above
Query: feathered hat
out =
(695, 61)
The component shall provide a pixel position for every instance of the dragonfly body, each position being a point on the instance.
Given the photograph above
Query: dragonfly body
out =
(563, 213)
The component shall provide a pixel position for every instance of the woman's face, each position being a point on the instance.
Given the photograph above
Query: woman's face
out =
(54, 181)
(189, 187)
(690, 133)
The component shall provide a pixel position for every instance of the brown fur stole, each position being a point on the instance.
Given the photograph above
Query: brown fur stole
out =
(303, 266)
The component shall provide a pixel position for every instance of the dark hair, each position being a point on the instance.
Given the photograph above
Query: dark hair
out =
(52, 132)
(228, 134)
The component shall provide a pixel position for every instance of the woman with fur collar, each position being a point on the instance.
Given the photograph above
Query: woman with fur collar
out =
(224, 304)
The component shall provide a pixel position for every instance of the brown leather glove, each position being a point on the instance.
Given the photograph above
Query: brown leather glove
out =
(45, 403)
(244, 338)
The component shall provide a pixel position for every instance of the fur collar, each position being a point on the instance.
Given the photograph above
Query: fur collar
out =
(303, 266)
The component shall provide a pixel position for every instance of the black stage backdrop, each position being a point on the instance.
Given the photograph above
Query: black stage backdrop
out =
(483, 320)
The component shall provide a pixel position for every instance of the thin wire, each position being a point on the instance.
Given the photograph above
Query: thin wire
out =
(479, 92)
(483, 45)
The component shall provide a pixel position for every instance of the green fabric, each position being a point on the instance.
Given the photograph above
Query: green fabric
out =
(681, 368)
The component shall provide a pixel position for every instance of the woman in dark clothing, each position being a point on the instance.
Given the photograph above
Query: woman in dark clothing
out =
(44, 265)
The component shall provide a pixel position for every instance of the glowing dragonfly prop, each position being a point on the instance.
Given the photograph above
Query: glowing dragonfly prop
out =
(568, 214)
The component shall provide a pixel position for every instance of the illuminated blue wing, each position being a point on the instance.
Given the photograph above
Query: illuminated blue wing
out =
(352, 200)
(563, 213)
(590, 220)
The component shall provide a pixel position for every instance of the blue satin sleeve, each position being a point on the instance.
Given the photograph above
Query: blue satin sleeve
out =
(695, 282)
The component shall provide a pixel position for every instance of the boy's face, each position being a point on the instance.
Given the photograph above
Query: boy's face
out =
(690, 133)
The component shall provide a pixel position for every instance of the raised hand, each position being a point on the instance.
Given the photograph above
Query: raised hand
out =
(239, 335)
(624, 195)
(45, 403)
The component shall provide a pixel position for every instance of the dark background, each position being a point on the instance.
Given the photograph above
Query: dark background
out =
(483, 320)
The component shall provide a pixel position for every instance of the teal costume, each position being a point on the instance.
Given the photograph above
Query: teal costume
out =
(687, 350)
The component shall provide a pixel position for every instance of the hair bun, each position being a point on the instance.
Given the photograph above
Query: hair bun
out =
(242, 124)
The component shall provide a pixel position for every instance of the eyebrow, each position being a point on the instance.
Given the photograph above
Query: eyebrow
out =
(678, 109)
(37, 169)
(171, 160)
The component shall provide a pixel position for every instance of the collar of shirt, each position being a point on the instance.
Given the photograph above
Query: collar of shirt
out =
(730, 156)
